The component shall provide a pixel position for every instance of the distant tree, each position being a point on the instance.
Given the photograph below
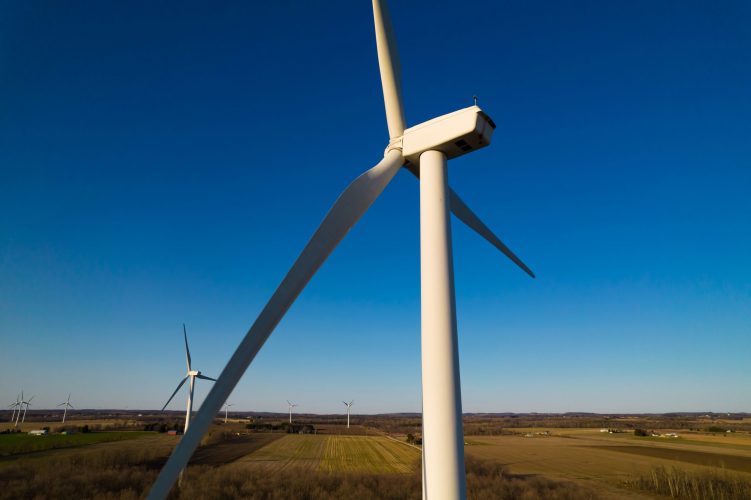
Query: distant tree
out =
(411, 438)
(640, 432)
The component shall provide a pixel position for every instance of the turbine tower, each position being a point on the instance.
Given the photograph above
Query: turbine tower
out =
(349, 406)
(192, 375)
(67, 405)
(226, 411)
(290, 405)
(423, 150)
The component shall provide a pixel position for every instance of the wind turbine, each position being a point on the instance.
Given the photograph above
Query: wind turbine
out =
(27, 403)
(424, 150)
(226, 410)
(192, 375)
(67, 405)
(290, 405)
(349, 406)
(14, 405)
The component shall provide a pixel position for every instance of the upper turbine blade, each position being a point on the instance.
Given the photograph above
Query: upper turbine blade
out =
(187, 351)
(391, 72)
(173, 394)
(347, 210)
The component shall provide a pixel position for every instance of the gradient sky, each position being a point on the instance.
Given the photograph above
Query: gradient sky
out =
(164, 163)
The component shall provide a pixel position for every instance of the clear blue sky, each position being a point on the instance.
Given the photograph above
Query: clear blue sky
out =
(165, 162)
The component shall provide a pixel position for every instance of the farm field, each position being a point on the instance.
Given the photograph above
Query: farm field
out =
(605, 462)
(361, 454)
(16, 444)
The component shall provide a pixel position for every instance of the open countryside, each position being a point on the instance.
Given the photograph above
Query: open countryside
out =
(523, 456)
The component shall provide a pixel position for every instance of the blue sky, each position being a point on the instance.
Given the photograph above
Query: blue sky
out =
(165, 163)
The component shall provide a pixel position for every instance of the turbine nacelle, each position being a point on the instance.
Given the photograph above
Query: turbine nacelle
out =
(454, 134)
(193, 373)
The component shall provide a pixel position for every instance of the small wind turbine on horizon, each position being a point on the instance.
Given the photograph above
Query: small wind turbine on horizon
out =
(67, 405)
(192, 375)
(14, 405)
(290, 405)
(349, 406)
(24, 402)
(226, 410)
(423, 150)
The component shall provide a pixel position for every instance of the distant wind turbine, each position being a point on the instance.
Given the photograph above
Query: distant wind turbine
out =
(291, 405)
(192, 375)
(226, 410)
(27, 403)
(67, 405)
(14, 405)
(349, 406)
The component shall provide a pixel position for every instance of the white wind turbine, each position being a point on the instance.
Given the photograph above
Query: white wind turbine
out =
(349, 407)
(67, 405)
(14, 405)
(226, 410)
(424, 150)
(192, 375)
(290, 405)
(24, 402)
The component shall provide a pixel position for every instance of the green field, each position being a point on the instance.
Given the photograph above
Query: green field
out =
(16, 444)
(365, 454)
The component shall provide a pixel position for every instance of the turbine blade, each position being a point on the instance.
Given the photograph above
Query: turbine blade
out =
(187, 351)
(173, 394)
(347, 210)
(71, 406)
(206, 378)
(388, 63)
(467, 216)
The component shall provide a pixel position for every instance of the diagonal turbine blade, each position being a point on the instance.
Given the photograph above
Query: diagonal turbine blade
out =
(347, 210)
(467, 216)
(205, 377)
(388, 63)
(187, 351)
(173, 394)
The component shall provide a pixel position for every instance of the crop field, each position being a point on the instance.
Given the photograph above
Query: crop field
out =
(605, 462)
(361, 454)
(15, 444)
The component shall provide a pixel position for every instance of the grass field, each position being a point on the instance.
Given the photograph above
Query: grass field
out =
(606, 462)
(15, 444)
(361, 454)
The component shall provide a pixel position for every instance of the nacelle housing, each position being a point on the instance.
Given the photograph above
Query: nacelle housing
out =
(453, 134)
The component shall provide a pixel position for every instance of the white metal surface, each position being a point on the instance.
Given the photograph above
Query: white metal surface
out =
(66, 405)
(454, 134)
(349, 407)
(291, 405)
(388, 63)
(443, 438)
